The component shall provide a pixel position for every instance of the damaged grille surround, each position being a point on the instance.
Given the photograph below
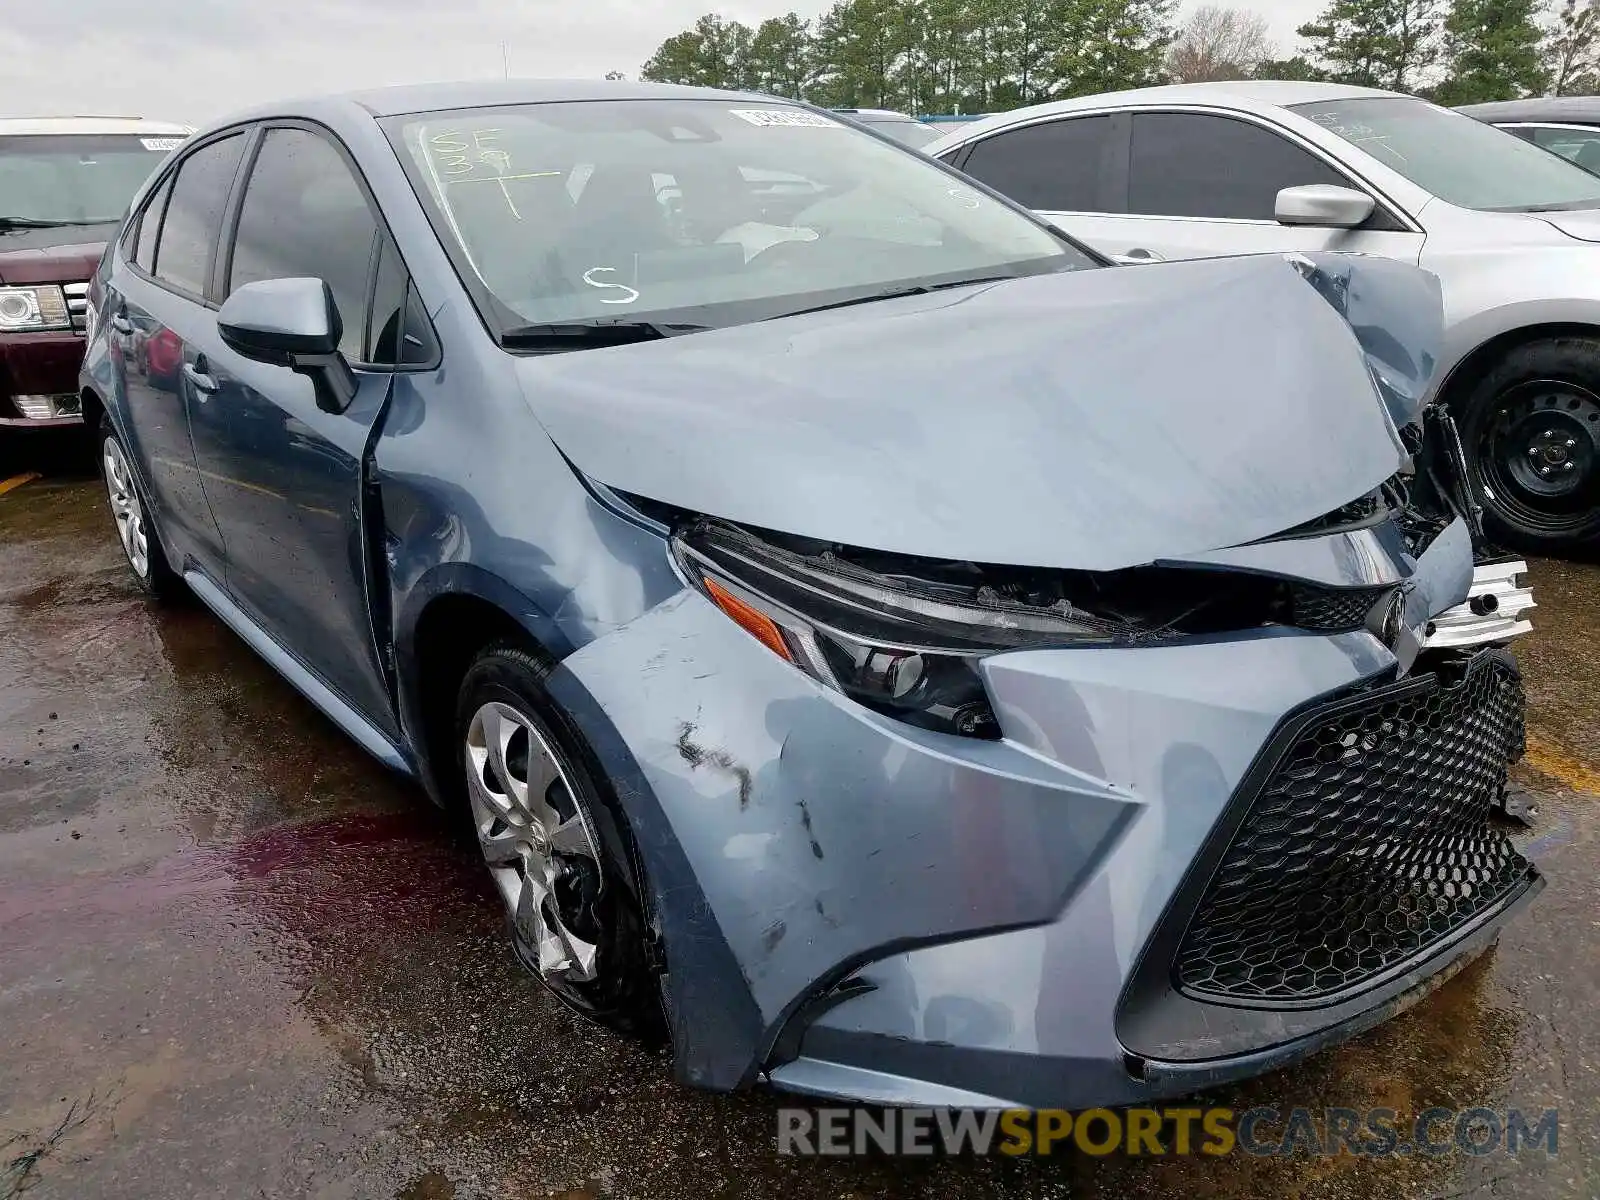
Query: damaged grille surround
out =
(1370, 843)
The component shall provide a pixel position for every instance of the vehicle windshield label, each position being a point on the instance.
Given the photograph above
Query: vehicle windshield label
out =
(786, 118)
(165, 143)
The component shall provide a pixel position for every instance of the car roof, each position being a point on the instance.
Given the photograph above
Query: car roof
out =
(1250, 95)
(46, 126)
(491, 93)
(1581, 109)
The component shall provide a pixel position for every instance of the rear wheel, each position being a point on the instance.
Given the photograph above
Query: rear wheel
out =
(141, 544)
(555, 844)
(1531, 431)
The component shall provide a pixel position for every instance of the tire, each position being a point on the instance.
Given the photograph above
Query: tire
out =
(561, 856)
(130, 511)
(1531, 431)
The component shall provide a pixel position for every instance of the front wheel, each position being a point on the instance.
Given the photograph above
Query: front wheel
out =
(555, 844)
(1531, 432)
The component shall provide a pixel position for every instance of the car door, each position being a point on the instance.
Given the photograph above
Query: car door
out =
(158, 307)
(1200, 184)
(286, 478)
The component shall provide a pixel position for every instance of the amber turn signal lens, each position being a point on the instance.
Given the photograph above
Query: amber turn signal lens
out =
(749, 618)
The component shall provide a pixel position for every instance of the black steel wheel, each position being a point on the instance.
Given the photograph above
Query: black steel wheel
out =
(1531, 431)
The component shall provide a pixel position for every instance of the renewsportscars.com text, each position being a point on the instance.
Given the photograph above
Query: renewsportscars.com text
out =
(1264, 1132)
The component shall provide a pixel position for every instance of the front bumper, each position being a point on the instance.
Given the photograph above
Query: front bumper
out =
(39, 379)
(853, 907)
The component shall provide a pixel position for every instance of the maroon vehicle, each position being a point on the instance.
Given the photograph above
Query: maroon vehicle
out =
(65, 183)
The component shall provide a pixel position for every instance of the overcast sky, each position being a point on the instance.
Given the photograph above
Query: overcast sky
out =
(191, 60)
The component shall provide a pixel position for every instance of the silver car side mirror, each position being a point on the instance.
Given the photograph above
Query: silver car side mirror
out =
(1324, 204)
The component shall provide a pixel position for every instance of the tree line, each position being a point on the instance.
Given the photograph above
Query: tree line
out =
(961, 56)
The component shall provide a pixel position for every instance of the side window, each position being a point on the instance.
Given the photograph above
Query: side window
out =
(1580, 146)
(304, 214)
(1058, 166)
(149, 227)
(194, 214)
(418, 347)
(387, 321)
(1194, 165)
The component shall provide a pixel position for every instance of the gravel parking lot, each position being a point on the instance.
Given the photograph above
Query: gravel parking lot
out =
(239, 959)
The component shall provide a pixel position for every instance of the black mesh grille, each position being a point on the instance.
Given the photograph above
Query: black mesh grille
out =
(1333, 610)
(1369, 842)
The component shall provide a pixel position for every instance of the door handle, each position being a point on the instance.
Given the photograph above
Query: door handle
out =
(1136, 256)
(197, 375)
(120, 323)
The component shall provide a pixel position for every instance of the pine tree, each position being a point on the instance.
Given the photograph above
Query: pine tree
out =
(1491, 51)
(1298, 68)
(714, 53)
(781, 56)
(863, 45)
(1374, 43)
(1108, 45)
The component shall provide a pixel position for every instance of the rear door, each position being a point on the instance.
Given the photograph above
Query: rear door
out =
(1065, 169)
(160, 307)
(286, 479)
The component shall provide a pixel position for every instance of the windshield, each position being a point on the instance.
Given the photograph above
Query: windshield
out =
(716, 211)
(903, 130)
(75, 179)
(1462, 161)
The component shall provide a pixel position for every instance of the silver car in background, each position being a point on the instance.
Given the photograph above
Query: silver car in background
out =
(1564, 125)
(1209, 169)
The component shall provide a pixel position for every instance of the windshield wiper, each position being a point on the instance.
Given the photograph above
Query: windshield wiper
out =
(1564, 206)
(587, 335)
(43, 223)
(895, 293)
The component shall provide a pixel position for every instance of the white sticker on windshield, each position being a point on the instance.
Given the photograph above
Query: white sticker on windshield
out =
(166, 143)
(787, 118)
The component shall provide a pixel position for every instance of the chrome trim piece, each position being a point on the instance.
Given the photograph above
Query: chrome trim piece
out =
(77, 305)
(1498, 591)
(308, 685)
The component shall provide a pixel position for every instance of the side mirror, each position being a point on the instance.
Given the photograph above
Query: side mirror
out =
(291, 323)
(1324, 204)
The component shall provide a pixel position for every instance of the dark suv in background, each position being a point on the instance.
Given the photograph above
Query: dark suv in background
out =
(65, 183)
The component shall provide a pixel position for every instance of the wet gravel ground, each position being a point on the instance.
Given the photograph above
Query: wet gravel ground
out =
(239, 959)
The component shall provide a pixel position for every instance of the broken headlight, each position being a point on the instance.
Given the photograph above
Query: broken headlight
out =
(903, 647)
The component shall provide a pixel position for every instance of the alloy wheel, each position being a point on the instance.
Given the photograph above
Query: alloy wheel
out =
(126, 509)
(543, 855)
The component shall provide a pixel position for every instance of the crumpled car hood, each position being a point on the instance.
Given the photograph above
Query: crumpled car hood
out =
(1092, 420)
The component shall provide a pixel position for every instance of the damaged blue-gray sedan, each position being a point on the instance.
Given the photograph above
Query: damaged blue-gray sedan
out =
(877, 644)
